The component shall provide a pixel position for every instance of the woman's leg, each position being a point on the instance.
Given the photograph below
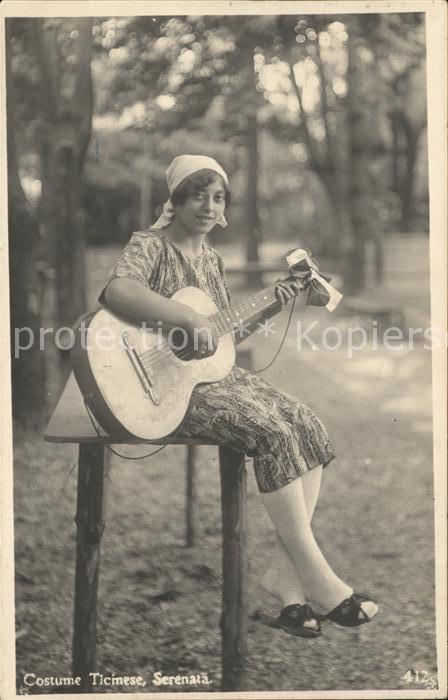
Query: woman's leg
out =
(311, 482)
(281, 579)
(287, 509)
(283, 436)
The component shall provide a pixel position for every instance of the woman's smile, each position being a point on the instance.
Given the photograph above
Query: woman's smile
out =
(201, 211)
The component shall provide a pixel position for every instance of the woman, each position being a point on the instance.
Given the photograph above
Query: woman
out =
(288, 443)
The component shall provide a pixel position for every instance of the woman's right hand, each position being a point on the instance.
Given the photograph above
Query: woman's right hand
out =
(202, 333)
(128, 297)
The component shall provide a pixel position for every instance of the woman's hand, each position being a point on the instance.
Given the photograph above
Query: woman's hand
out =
(288, 289)
(130, 298)
(203, 335)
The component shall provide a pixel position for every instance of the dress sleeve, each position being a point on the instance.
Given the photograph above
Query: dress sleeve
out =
(137, 261)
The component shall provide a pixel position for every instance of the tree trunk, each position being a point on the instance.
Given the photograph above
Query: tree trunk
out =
(67, 113)
(408, 183)
(28, 369)
(146, 186)
(405, 145)
(357, 169)
(325, 165)
(70, 251)
(247, 110)
(395, 154)
(254, 278)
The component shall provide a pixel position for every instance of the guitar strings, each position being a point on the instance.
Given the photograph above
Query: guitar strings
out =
(159, 359)
(220, 325)
(175, 433)
(154, 357)
(219, 320)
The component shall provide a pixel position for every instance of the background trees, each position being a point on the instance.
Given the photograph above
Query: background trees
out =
(63, 49)
(23, 240)
(319, 120)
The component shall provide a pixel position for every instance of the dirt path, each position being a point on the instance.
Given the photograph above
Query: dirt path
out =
(160, 603)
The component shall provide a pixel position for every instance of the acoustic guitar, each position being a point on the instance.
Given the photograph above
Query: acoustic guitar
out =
(137, 382)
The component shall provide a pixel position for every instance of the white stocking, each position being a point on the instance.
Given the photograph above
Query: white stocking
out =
(281, 579)
(314, 577)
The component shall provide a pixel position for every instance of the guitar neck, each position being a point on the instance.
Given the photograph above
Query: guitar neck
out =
(264, 302)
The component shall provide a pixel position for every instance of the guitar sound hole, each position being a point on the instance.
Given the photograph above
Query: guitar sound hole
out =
(181, 350)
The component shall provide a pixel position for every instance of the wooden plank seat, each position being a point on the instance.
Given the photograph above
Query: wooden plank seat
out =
(70, 423)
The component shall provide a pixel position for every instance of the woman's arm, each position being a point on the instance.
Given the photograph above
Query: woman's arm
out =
(130, 298)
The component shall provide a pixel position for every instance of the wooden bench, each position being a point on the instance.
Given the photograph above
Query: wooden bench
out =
(70, 423)
(385, 313)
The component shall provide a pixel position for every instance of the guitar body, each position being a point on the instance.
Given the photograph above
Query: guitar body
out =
(135, 385)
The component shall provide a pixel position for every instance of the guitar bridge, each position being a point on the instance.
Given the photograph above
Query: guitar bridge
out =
(142, 374)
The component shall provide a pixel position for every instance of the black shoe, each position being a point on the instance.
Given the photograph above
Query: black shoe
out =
(298, 620)
(350, 612)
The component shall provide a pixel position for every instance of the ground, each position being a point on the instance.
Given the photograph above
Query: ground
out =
(159, 602)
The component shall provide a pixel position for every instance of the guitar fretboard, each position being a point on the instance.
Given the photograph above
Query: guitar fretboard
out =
(243, 312)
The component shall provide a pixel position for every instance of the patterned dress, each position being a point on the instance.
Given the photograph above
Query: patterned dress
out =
(242, 411)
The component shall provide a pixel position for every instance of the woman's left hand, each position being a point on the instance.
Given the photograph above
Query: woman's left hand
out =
(288, 289)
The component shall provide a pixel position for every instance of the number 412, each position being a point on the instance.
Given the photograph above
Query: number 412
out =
(416, 676)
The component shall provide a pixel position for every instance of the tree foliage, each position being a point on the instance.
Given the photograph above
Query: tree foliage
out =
(326, 96)
(214, 73)
(319, 120)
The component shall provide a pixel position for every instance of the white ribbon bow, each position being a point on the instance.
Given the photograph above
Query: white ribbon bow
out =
(301, 255)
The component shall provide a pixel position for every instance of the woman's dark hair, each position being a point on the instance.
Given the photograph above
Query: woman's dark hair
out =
(195, 184)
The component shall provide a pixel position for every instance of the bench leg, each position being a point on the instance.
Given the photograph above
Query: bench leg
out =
(191, 496)
(234, 565)
(89, 529)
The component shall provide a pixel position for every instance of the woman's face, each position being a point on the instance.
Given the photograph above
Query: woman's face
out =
(201, 211)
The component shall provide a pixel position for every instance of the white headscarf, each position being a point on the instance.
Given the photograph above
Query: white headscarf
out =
(180, 168)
